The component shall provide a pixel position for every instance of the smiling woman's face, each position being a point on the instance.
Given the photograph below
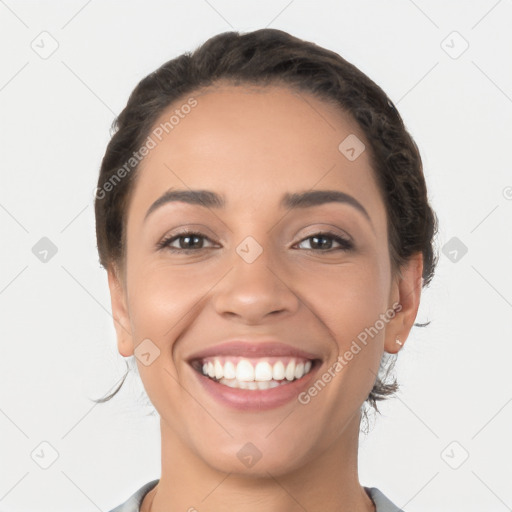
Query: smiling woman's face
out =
(258, 269)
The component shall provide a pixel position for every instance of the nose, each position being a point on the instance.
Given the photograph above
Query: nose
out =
(253, 292)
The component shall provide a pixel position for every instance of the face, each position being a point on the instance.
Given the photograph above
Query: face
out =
(287, 245)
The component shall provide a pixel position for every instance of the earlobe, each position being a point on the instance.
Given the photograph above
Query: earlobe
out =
(408, 289)
(120, 313)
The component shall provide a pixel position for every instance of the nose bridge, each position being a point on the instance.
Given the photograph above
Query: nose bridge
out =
(255, 287)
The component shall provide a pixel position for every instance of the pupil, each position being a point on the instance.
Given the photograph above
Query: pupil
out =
(188, 245)
(320, 245)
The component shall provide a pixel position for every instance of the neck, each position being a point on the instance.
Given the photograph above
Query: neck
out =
(328, 482)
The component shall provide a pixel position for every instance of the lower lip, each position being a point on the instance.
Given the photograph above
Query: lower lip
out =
(258, 399)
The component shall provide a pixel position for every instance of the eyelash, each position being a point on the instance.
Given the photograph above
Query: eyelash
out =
(345, 244)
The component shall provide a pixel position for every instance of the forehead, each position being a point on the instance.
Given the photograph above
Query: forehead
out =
(251, 143)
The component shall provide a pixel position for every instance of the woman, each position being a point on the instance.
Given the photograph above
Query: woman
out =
(263, 218)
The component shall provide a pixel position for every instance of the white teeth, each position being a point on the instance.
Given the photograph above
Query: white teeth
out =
(263, 371)
(290, 371)
(249, 374)
(278, 371)
(299, 370)
(219, 371)
(233, 383)
(244, 371)
(229, 370)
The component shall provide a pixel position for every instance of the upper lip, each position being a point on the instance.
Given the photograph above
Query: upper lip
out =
(242, 348)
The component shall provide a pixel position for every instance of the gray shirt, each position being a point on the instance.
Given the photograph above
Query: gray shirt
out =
(382, 504)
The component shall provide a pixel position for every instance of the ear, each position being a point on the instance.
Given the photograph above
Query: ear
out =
(120, 313)
(405, 294)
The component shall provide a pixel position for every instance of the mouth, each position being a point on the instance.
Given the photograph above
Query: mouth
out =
(254, 373)
(254, 377)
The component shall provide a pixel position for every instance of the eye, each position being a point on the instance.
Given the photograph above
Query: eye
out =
(184, 242)
(189, 241)
(323, 242)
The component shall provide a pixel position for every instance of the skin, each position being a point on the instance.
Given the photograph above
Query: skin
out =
(251, 146)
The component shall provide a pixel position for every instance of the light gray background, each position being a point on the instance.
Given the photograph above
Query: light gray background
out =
(57, 338)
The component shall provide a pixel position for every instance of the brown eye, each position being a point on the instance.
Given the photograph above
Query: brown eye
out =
(184, 242)
(324, 242)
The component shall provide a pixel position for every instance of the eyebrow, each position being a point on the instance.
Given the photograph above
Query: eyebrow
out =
(209, 199)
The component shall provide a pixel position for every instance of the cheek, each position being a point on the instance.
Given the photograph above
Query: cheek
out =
(160, 301)
(350, 303)
(162, 304)
(348, 299)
